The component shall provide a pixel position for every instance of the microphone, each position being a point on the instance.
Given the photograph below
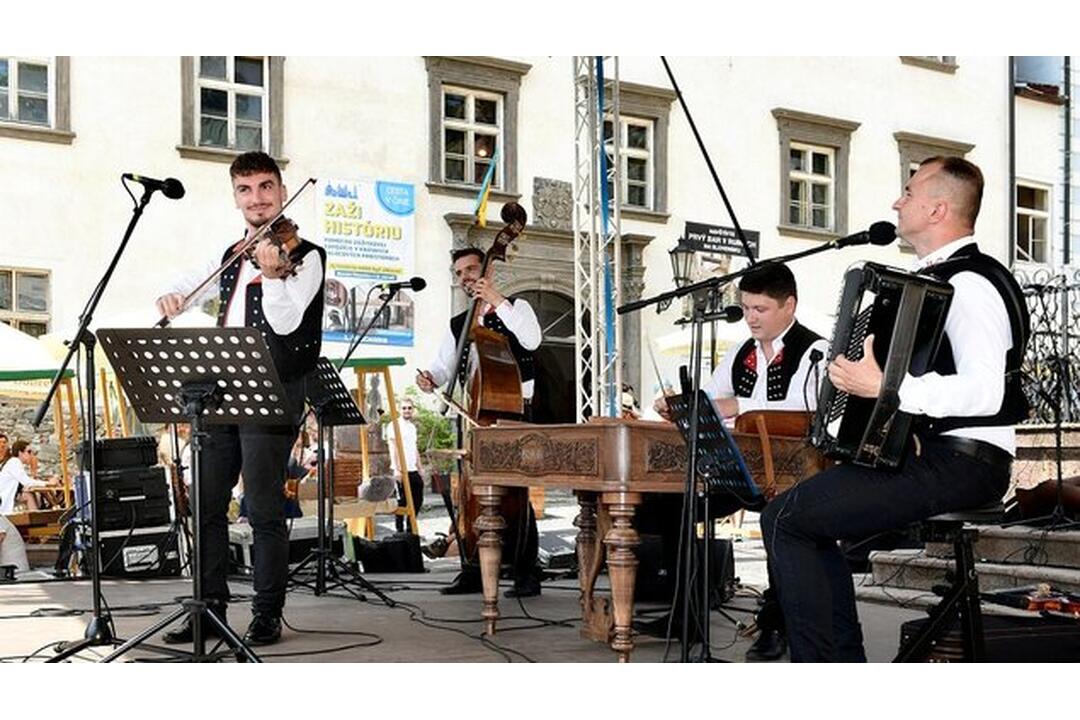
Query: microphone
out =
(169, 187)
(880, 233)
(732, 313)
(416, 284)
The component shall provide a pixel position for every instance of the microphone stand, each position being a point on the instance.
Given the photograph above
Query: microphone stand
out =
(99, 631)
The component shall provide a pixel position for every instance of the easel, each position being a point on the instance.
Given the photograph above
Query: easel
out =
(362, 367)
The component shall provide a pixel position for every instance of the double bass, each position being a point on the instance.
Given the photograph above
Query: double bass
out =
(492, 384)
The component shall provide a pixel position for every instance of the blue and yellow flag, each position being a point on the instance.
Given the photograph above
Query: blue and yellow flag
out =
(485, 189)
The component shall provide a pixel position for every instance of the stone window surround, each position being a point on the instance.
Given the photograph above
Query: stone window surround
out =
(479, 73)
(803, 127)
(60, 133)
(915, 148)
(650, 103)
(189, 147)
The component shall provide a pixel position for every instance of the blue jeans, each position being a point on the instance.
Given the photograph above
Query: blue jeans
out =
(801, 528)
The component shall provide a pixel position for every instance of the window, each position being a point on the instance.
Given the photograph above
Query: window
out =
(24, 300)
(35, 98)
(473, 112)
(231, 107)
(231, 104)
(472, 130)
(1032, 223)
(810, 186)
(635, 158)
(814, 154)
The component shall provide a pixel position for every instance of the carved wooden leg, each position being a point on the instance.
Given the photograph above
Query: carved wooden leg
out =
(585, 522)
(488, 527)
(621, 541)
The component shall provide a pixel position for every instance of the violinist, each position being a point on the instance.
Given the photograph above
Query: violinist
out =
(279, 290)
(516, 320)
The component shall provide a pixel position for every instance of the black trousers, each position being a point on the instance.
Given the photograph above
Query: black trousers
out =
(801, 528)
(261, 454)
(416, 486)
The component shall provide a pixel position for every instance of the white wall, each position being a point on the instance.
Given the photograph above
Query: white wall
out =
(62, 208)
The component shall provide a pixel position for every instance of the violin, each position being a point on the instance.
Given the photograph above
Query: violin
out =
(283, 235)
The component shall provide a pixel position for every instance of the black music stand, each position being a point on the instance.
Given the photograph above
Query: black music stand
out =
(210, 376)
(333, 406)
(719, 468)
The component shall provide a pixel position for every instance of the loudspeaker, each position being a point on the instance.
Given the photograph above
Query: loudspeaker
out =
(142, 552)
(126, 499)
(658, 569)
(1010, 639)
(397, 553)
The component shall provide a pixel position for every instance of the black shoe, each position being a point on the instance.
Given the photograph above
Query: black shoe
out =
(186, 634)
(466, 583)
(263, 630)
(436, 549)
(770, 645)
(526, 586)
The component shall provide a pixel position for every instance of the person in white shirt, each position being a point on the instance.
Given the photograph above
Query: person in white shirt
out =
(516, 320)
(412, 460)
(287, 307)
(966, 407)
(15, 482)
(777, 368)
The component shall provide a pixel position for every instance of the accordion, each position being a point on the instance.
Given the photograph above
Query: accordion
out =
(906, 315)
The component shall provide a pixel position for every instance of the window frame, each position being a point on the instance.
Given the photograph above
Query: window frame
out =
(232, 88)
(1047, 215)
(471, 128)
(58, 99)
(16, 316)
(809, 178)
(626, 153)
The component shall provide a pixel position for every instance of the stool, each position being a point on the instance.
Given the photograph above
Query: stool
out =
(961, 597)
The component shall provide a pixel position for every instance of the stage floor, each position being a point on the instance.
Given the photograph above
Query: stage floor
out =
(425, 626)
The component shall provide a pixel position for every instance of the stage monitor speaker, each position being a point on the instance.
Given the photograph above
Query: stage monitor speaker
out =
(397, 553)
(139, 553)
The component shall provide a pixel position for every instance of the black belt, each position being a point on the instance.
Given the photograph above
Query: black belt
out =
(982, 451)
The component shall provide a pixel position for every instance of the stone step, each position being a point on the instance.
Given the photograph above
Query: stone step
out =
(1018, 544)
(915, 569)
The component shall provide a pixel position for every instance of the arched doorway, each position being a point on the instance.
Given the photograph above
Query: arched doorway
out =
(556, 377)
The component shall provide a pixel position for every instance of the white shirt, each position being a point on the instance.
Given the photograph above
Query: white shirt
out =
(284, 300)
(979, 332)
(408, 444)
(720, 386)
(518, 317)
(11, 476)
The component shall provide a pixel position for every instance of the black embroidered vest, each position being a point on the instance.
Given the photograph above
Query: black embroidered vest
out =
(744, 372)
(491, 321)
(294, 354)
(1014, 405)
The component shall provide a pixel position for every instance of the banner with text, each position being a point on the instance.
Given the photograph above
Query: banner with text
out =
(368, 228)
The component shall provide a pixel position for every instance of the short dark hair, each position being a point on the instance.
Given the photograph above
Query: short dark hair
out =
(253, 162)
(466, 252)
(770, 278)
(970, 178)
